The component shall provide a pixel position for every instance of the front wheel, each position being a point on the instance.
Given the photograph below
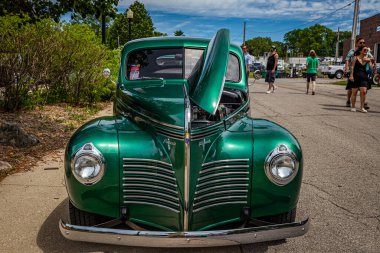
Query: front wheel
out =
(287, 217)
(257, 74)
(331, 76)
(375, 80)
(82, 218)
(339, 74)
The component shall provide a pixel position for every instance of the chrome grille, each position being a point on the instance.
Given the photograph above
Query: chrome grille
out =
(222, 182)
(170, 133)
(150, 182)
(200, 134)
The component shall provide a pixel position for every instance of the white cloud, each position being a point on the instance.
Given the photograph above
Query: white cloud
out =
(268, 9)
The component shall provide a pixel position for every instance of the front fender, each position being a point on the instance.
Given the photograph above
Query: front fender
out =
(101, 198)
(267, 197)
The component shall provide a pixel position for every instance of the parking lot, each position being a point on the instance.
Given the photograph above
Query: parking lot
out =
(340, 190)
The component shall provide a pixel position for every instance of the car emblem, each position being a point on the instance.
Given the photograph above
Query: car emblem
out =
(169, 143)
(204, 143)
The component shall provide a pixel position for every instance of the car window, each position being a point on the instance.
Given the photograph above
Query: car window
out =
(233, 69)
(164, 63)
(168, 63)
(193, 60)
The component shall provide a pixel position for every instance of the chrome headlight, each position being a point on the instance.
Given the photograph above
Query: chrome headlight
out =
(88, 164)
(281, 165)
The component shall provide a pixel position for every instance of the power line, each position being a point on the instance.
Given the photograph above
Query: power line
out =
(312, 21)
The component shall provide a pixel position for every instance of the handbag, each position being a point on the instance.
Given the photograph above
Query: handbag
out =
(368, 69)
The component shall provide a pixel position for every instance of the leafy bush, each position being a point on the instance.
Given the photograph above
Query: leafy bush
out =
(47, 62)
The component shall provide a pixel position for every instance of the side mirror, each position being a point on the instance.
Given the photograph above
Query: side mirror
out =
(106, 72)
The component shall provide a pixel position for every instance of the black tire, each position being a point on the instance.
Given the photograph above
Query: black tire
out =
(375, 79)
(339, 74)
(331, 76)
(287, 217)
(257, 74)
(82, 218)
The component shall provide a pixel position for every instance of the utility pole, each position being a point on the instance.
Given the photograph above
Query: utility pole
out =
(355, 23)
(337, 47)
(244, 34)
(103, 28)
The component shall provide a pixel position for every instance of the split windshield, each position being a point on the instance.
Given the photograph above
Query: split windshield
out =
(172, 63)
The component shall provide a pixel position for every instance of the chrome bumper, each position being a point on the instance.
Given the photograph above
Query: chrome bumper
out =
(183, 239)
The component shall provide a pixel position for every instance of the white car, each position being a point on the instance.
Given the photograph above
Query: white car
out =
(333, 70)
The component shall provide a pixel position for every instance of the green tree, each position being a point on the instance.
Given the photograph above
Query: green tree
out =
(259, 45)
(159, 34)
(35, 9)
(318, 37)
(141, 27)
(179, 33)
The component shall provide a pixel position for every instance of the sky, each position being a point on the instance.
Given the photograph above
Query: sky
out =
(265, 18)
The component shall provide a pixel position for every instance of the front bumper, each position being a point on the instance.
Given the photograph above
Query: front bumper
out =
(183, 239)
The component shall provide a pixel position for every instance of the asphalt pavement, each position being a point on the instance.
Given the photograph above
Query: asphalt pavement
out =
(340, 190)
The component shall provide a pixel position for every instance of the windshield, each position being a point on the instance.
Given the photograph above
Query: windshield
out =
(170, 63)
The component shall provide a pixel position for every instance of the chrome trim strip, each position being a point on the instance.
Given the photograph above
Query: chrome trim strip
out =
(219, 204)
(147, 173)
(226, 161)
(221, 186)
(148, 167)
(142, 198)
(187, 139)
(152, 204)
(220, 198)
(224, 167)
(180, 138)
(147, 160)
(242, 173)
(150, 180)
(134, 191)
(220, 192)
(151, 186)
(184, 239)
(222, 180)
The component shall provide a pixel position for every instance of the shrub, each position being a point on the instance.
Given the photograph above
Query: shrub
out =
(46, 62)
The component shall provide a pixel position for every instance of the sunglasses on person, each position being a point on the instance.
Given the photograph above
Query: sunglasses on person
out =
(361, 42)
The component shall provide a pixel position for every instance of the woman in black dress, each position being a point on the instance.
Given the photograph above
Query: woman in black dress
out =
(360, 78)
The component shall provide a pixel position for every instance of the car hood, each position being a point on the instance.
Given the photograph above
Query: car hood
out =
(208, 89)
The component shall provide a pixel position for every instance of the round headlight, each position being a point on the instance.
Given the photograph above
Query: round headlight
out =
(88, 164)
(281, 165)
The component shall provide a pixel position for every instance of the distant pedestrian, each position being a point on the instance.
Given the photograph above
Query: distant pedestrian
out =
(271, 69)
(360, 43)
(359, 77)
(248, 60)
(311, 71)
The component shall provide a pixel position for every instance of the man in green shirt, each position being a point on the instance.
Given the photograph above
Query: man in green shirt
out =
(311, 71)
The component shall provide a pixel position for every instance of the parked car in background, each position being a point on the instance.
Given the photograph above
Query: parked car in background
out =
(181, 163)
(333, 70)
(375, 78)
(257, 66)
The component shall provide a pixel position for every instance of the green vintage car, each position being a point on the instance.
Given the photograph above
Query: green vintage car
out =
(181, 163)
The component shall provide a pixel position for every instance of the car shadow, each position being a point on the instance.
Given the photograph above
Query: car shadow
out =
(49, 239)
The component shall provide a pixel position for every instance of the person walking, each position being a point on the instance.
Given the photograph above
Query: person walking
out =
(248, 61)
(271, 69)
(359, 77)
(360, 43)
(311, 71)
